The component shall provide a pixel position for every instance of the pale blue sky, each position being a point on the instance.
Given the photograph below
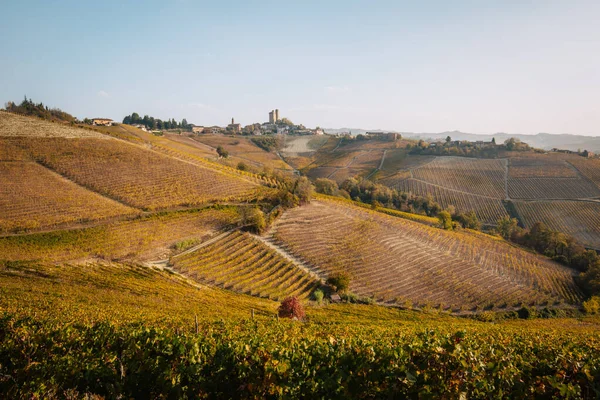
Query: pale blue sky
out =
(422, 66)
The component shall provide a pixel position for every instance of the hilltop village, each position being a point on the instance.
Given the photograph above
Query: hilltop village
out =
(274, 125)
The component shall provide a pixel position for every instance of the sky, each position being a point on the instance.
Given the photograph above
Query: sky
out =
(479, 66)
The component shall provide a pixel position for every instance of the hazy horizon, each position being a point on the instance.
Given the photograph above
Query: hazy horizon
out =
(431, 67)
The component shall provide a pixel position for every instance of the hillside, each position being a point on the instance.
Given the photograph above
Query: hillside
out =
(132, 247)
(491, 188)
(544, 141)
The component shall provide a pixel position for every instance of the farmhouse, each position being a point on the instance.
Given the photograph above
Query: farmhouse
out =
(102, 121)
(383, 135)
(212, 129)
(197, 129)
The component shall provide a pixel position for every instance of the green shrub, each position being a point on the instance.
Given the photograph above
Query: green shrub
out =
(340, 281)
(592, 306)
(318, 295)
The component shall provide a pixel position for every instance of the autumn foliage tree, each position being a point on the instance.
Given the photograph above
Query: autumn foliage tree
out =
(291, 308)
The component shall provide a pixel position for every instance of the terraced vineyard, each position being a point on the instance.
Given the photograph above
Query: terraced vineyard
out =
(145, 238)
(551, 188)
(488, 210)
(396, 260)
(475, 176)
(580, 219)
(33, 197)
(135, 176)
(239, 262)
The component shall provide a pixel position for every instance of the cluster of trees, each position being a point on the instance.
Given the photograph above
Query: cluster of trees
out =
(293, 192)
(155, 123)
(559, 246)
(267, 143)
(380, 195)
(28, 107)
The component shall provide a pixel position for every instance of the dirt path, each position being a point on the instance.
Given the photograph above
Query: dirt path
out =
(506, 197)
(269, 242)
(382, 160)
(338, 145)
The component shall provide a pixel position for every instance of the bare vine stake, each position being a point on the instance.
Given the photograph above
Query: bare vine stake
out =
(253, 313)
(196, 322)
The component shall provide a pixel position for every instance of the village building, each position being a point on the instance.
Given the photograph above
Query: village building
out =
(102, 121)
(233, 127)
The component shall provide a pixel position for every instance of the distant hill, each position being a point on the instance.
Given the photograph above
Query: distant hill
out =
(545, 141)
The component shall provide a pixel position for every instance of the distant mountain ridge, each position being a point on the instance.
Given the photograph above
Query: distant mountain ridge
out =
(545, 141)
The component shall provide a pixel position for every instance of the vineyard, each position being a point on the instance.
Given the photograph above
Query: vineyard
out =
(145, 238)
(580, 219)
(475, 176)
(135, 176)
(589, 168)
(488, 210)
(32, 197)
(244, 264)
(397, 261)
(531, 167)
(136, 337)
(551, 188)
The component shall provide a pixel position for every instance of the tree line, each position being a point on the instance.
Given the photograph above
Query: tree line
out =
(28, 107)
(378, 195)
(156, 123)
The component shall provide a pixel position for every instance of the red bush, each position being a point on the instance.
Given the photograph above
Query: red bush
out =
(291, 308)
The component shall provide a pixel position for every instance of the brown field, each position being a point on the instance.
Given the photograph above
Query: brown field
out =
(298, 162)
(540, 168)
(18, 125)
(589, 168)
(346, 173)
(33, 197)
(399, 159)
(242, 148)
(551, 188)
(321, 172)
(341, 160)
(393, 179)
(580, 219)
(396, 260)
(488, 210)
(136, 176)
(141, 239)
(368, 160)
(241, 263)
(296, 145)
(475, 176)
(372, 144)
